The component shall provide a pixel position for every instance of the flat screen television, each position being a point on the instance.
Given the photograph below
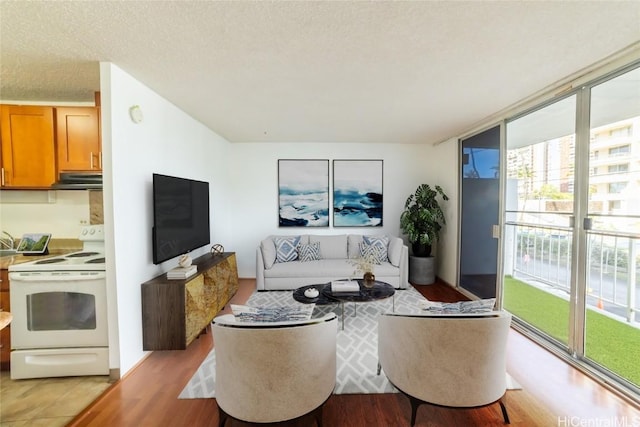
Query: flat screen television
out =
(180, 216)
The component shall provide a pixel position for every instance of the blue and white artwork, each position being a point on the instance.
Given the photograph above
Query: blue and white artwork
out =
(303, 193)
(357, 193)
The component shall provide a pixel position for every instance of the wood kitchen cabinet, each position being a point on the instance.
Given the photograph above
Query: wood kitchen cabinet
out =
(78, 139)
(175, 312)
(28, 146)
(5, 334)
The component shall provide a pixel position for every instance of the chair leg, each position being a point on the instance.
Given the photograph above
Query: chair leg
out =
(504, 412)
(319, 416)
(414, 409)
(223, 417)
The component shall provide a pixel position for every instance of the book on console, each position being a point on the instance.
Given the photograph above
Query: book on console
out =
(182, 272)
(345, 286)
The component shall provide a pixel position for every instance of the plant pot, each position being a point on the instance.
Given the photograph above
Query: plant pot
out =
(421, 250)
(421, 270)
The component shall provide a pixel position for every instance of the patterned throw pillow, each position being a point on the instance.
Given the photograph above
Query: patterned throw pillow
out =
(477, 306)
(373, 253)
(381, 242)
(310, 252)
(286, 248)
(245, 313)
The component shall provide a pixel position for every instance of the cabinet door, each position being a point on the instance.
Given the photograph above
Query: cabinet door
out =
(28, 150)
(197, 302)
(78, 139)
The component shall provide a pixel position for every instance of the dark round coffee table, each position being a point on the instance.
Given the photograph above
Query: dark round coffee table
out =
(321, 299)
(379, 291)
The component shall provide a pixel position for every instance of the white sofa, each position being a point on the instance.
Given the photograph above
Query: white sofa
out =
(334, 263)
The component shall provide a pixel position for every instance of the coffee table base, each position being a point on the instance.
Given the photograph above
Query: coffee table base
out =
(379, 291)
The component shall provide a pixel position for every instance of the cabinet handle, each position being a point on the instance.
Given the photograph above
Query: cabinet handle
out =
(100, 160)
(91, 159)
(2, 181)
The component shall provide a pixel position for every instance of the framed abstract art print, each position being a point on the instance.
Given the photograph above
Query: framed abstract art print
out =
(357, 193)
(303, 193)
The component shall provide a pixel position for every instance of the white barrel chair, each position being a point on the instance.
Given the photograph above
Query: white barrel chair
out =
(456, 360)
(271, 372)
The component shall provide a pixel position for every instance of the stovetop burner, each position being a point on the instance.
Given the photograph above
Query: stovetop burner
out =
(90, 258)
(81, 254)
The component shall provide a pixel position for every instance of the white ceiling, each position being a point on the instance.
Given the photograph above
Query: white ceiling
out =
(343, 71)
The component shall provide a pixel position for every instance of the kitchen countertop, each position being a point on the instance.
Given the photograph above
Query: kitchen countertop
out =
(5, 319)
(56, 247)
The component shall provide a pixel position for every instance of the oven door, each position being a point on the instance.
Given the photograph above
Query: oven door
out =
(58, 309)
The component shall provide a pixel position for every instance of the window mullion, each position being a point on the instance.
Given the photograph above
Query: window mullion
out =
(579, 269)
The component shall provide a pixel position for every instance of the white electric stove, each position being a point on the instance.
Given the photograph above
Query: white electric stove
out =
(59, 307)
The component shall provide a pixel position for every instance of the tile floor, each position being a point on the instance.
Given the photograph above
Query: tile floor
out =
(51, 402)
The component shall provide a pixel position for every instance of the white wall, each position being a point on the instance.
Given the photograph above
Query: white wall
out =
(443, 161)
(254, 178)
(167, 141)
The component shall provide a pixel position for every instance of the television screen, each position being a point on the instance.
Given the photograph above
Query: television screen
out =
(180, 216)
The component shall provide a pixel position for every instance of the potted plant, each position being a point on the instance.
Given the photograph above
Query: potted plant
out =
(423, 218)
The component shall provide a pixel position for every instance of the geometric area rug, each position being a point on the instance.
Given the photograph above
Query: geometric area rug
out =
(357, 344)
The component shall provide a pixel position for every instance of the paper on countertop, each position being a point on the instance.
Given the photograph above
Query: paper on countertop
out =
(345, 286)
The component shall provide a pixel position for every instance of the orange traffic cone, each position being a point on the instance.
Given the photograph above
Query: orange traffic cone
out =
(600, 305)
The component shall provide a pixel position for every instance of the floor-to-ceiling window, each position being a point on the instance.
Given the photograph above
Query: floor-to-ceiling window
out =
(539, 186)
(571, 249)
(612, 292)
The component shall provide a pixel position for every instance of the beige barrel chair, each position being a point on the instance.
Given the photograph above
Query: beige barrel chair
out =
(272, 372)
(446, 360)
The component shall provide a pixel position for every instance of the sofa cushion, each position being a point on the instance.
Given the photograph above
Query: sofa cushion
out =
(332, 269)
(310, 252)
(394, 251)
(331, 247)
(353, 248)
(286, 248)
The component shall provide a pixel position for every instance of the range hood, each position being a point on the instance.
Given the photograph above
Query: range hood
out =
(78, 181)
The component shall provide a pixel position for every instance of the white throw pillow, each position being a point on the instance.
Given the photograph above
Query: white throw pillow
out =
(395, 251)
(353, 249)
(268, 249)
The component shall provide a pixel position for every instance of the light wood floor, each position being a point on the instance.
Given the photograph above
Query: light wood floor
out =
(553, 394)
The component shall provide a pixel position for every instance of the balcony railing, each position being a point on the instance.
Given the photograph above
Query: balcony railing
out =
(542, 255)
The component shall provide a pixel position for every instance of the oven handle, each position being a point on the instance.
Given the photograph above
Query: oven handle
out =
(21, 277)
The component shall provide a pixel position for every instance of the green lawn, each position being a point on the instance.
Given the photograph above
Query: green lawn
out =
(611, 343)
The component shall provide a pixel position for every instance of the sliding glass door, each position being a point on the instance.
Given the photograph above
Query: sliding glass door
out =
(612, 294)
(540, 154)
(571, 242)
(479, 212)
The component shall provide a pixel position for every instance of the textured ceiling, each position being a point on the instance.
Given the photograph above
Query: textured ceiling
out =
(406, 72)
